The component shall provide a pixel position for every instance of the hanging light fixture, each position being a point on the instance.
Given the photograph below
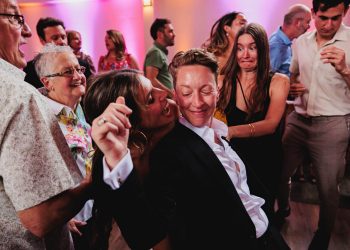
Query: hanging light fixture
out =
(147, 3)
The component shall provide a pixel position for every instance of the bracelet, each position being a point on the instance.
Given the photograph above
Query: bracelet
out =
(252, 130)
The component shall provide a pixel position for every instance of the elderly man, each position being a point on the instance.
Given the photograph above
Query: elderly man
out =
(296, 22)
(319, 127)
(39, 180)
(156, 61)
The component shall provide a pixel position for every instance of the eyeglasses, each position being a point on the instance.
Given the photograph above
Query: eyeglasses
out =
(15, 19)
(69, 72)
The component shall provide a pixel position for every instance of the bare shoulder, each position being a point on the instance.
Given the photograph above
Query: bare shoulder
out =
(279, 84)
(280, 79)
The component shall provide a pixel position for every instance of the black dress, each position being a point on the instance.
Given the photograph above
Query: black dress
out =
(262, 155)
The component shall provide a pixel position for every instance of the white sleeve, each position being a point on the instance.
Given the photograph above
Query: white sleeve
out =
(118, 175)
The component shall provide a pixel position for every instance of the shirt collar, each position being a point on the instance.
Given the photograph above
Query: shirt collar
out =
(8, 67)
(217, 126)
(161, 47)
(341, 35)
(56, 107)
(283, 36)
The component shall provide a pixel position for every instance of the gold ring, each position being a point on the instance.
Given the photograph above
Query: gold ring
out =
(101, 121)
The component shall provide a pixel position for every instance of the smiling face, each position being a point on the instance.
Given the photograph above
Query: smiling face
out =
(328, 22)
(64, 89)
(196, 94)
(12, 37)
(157, 111)
(247, 53)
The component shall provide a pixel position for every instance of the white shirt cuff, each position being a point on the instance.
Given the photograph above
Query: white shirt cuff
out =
(120, 172)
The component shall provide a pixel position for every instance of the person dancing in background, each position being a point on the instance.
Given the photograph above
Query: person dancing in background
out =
(220, 43)
(75, 41)
(116, 58)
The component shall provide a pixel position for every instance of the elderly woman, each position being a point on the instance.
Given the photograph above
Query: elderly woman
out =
(153, 116)
(64, 84)
(253, 99)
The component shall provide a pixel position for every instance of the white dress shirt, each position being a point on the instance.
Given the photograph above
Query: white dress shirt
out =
(120, 172)
(235, 169)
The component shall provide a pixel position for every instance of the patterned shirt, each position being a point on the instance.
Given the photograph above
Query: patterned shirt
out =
(78, 136)
(35, 162)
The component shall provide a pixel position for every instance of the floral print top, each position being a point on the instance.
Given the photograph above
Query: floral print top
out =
(78, 136)
(77, 133)
(116, 65)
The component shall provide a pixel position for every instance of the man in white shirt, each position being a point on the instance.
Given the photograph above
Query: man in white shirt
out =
(319, 127)
(194, 170)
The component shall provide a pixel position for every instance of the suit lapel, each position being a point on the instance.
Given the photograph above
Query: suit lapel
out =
(206, 160)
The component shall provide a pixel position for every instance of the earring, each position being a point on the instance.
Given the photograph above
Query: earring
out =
(139, 140)
(227, 34)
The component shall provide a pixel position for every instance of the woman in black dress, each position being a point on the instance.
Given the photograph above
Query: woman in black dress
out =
(253, 99)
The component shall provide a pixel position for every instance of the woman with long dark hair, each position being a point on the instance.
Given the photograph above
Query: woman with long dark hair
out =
(153, 116)
(253, 99)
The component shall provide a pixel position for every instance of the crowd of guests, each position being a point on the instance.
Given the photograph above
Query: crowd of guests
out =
(191, 154)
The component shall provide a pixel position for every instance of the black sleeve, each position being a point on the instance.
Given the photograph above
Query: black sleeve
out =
(31, 75)
(140, 222)
(87, 68)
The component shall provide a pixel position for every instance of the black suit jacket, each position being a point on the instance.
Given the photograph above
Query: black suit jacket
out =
(209, 213)
(33, 78)
(188, 195)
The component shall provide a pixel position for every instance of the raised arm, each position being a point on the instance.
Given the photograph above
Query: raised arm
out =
(336, 57)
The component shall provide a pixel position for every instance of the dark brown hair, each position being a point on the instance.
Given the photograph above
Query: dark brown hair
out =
(218, 41)
(324, 5)
(104, 89)
(118, 41)
(231, 70)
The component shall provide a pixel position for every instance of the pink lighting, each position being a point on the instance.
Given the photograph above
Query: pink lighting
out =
(91, 18)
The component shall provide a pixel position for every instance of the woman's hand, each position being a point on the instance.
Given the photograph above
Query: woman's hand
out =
(110, 131)
(74, 226)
